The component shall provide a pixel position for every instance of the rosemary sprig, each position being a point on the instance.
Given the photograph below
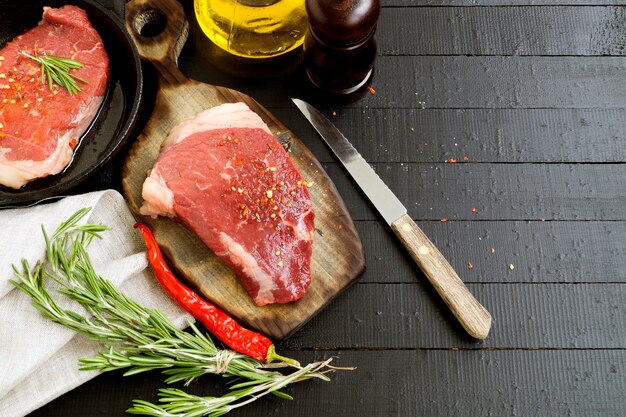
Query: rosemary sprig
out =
(176, 403)
(57, 70)
(141, 339)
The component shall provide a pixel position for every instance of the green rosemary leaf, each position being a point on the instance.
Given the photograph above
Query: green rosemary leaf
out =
(146, 408)
(282, 395)
(141, 339)
(56, 70)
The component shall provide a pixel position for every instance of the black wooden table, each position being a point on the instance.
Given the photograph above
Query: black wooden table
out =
(529, 97)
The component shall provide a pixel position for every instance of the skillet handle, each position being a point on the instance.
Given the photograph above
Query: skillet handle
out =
(159, 29)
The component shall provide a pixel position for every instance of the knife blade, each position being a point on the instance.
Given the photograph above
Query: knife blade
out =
(472, 315)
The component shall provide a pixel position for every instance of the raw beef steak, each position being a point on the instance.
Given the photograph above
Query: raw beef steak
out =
(39, 127)
(225, 176)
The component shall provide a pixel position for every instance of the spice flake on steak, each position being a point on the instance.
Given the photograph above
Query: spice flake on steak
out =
(40, 127)
(224, 176)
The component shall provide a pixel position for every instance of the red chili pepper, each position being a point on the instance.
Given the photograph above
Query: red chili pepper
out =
(220, 324)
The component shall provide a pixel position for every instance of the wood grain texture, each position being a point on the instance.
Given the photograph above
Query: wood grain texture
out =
(457, 82)
(335, 263)
(541, 252)
(545, 136)
(448, 383)
(497, 191)
(565, 30)
(481, 135)
(472, 316)
(376, 315)
(499, 82)
(498, 3)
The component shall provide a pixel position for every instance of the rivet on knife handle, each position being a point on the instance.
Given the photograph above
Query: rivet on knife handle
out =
(474, 318)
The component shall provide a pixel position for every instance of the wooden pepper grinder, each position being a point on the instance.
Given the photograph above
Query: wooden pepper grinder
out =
(340, 48)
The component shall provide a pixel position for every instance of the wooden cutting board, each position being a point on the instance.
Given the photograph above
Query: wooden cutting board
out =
(338, 258)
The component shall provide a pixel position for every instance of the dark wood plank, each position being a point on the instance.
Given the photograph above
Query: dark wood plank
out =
(479, 3)
(455, 82)
(471, 383)
(497, 191)
(550, 252)
(566, 30)
(408, 383)
(403, 316)
(493, 135)
(499, 82)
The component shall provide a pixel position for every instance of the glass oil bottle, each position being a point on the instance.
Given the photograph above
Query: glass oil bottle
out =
(253, 28)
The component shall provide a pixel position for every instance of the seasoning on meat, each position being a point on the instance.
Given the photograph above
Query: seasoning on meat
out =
(40, 127)
(223, 175)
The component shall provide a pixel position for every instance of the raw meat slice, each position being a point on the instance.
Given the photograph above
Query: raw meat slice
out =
(223, 175)
(39, 127)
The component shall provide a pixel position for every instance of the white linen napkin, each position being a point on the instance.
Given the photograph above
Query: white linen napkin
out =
(38, 358)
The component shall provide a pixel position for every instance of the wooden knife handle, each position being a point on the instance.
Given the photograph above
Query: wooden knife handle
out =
(474, 318)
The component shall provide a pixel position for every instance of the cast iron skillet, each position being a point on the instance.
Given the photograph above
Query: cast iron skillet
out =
(113, 125)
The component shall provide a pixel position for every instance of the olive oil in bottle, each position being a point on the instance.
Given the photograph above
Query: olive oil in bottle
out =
(253, 28)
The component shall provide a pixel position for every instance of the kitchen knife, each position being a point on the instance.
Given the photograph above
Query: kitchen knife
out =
(474, 318)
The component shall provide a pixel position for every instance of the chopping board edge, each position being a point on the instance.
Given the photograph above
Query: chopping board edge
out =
(338, 257)
(356, 257)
